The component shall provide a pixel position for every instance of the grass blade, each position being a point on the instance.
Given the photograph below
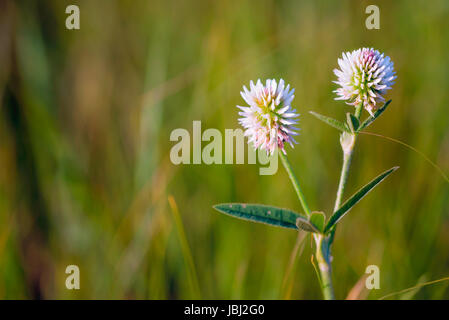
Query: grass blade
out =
(419, 285)
(356, 198)
(287, 281)
(193, 278)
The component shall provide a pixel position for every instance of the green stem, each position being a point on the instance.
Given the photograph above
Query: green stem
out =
(347, 157)
(347, 144)
(324, 266)
(295, 182)
(322, 243)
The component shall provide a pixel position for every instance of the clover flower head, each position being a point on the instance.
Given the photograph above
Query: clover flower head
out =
(269, 120)
(365, 75)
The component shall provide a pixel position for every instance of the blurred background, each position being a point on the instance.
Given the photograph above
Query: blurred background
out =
(85, 174)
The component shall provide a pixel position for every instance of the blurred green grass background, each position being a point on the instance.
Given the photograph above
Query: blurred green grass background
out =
(85, 175)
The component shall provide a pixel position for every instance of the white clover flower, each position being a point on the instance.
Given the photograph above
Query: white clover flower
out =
(365, 77)
(269, 120)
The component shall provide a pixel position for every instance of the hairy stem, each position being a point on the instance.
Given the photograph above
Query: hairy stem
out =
(347, 157)
(347, 144)
(322, 243)
(295, 183)
(324, 266)
(348, 150)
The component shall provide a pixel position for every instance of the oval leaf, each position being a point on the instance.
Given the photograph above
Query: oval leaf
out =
(356, 198)
(266, 214)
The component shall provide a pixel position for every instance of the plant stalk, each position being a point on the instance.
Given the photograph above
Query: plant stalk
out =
(324, 266)
(347, 143)
(295, 183)
(348, 150)
(347, 157)
(322, 243)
